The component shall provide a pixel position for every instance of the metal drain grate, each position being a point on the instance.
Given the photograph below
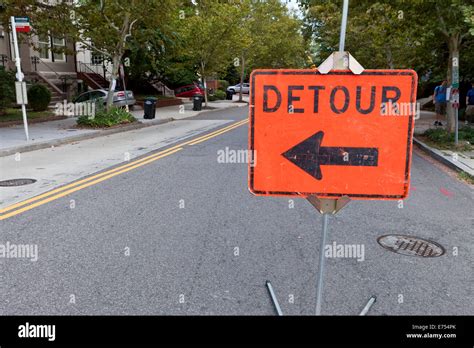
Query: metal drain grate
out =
(410, 246)
(16, 182)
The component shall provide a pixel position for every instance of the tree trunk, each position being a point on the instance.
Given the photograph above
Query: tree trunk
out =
(113, 80)
(204, 83)
(242, 77)
(454, 47)
(388, 51)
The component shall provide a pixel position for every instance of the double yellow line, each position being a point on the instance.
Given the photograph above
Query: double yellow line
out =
(65, 190)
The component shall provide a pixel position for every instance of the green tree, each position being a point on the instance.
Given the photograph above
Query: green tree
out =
(7, 89)
(453, 24)
(103, 26)
(277, 40)
(421, 34)
(379, 35)
(271, 38)
(208, 31)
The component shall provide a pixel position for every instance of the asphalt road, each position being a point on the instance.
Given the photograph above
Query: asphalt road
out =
(200, 243)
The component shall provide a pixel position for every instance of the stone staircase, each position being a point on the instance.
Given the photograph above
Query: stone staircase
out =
(53, 83)
(93, 80)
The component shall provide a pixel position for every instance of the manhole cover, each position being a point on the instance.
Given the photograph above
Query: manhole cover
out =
(16, 182)
(411, 246)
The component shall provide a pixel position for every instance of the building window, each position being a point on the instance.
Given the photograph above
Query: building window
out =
(50, 48)
(43, 47)
(96, 59)
(59, 44)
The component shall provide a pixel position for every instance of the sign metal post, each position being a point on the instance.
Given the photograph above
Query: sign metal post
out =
(19, 74)
(455, 96)
(324, 234)
(336, 149)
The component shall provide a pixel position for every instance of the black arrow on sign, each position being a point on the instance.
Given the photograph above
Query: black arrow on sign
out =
(309, 155)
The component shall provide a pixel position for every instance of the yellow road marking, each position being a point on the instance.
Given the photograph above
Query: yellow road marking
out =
(95, 179)
(90, 183)
(214, 135)
(65, 187)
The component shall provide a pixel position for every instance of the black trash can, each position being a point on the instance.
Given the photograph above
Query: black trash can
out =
(197, 102)
(150, 108)
(229, 95)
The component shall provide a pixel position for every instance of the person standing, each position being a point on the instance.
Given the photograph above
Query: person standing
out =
(439, 99)
(470, 104)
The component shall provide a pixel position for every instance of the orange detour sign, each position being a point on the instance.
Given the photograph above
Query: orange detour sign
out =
(332, 135)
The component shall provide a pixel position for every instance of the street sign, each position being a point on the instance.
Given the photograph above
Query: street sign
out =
(455, 72)
(455, 98)
(21, 94)
(22, 24)
(332, 135)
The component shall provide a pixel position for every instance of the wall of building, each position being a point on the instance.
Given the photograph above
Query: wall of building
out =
(84, 56)
(67, 66)
(27, 51)
(4, 46)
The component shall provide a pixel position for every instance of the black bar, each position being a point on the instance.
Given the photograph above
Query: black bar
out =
(287, 330)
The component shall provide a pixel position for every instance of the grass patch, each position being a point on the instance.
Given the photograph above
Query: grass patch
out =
(441, 139)
(466, 177)
(105, 119)
(16, 115)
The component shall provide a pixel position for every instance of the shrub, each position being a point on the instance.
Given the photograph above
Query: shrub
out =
(441, 136)
(438, 135)
(223, 84)
(39, 97)
(105, 118)
(218, 95)
(7, 89)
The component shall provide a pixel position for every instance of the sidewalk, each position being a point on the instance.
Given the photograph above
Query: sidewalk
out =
(462, 161)
(55, 133)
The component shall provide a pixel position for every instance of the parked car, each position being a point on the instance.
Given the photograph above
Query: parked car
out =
(188, 91)
(236, 88)
(119, 97)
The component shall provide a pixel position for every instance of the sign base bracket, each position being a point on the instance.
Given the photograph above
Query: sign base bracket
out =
(326, 207)
(341, 61)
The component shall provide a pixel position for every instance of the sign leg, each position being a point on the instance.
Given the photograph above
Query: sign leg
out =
(322, 261)
(369, 304)
(274, 298)
(25, 122)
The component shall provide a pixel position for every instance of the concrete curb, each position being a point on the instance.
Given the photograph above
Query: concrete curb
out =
(100, 133)
(446, 160)
(74, 138)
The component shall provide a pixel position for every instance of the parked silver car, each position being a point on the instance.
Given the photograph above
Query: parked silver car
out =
(120, 99)
(236, 88)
